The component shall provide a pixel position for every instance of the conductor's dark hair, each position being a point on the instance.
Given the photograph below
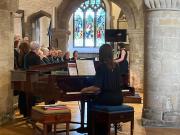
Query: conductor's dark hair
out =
(106, 53)
(75, 52)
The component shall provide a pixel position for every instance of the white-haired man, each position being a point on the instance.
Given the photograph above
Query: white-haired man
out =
(32, 58)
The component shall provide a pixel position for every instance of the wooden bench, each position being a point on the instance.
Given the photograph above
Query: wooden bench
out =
(112, 114)
(50, 118)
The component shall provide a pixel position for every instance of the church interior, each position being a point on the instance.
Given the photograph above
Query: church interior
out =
(150, 31)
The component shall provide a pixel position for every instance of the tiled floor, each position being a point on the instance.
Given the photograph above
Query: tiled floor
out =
(19, 126)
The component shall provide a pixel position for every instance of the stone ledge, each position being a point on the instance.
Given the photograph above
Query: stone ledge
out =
(159, 118)
(159, 123)
(163, 4)
(171, 116)
(162, 9)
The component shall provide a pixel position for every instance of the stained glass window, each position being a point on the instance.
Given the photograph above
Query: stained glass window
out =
(89, 24)
(100, 27)
(78, 27)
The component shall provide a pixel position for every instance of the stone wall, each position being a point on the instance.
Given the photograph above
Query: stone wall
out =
(136, 58)
(36, 6)
(6, 59)
(33, 6)
(162, 62)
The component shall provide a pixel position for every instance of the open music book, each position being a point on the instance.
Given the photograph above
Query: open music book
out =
(82, 67)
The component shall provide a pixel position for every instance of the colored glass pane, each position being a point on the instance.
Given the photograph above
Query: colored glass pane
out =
(98, 2)
(93, 2)
(86, 2)
(78, 28)
(89, 28)
(100, 27)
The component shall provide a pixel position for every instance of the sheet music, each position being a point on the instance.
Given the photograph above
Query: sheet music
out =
(85, 67)
(72, 69)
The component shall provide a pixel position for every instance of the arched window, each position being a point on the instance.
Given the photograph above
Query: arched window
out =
(89, 24)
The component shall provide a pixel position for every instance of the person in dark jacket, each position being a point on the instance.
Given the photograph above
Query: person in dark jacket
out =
(24, 49)
(16, 54)
(107, 84)
(108, 80)
(32, 58)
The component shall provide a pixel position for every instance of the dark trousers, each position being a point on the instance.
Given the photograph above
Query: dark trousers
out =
(125, 80)
(22, 104)
(100, 128)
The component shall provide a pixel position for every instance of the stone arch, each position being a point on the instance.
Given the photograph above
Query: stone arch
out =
(64, 13)
(66, 8)
(38, 14)
(133, 14)
(32, 18)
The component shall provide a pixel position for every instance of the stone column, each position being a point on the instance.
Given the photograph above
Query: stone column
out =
(6, 59)
(44, 26)
(136, 58)
(18, 23)
(60, 38)
(162, 63)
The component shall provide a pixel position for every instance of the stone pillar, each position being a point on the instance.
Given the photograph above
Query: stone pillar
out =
(162, 63)
(60, 39)
(136, 58)
(44, 26)
(18, 24)
(6, 59)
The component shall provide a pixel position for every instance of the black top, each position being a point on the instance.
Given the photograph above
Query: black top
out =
(123, 64)
(45, 60)
(32, 59)
(16, 57)
(109, 81)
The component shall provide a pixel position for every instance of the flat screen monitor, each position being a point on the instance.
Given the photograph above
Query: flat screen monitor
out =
(115, 35)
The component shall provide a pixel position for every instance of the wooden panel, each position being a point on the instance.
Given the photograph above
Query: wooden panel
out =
(17, 75)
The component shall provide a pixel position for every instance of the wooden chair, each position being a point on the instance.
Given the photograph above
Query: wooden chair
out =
(112, 114)
(50, 117)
